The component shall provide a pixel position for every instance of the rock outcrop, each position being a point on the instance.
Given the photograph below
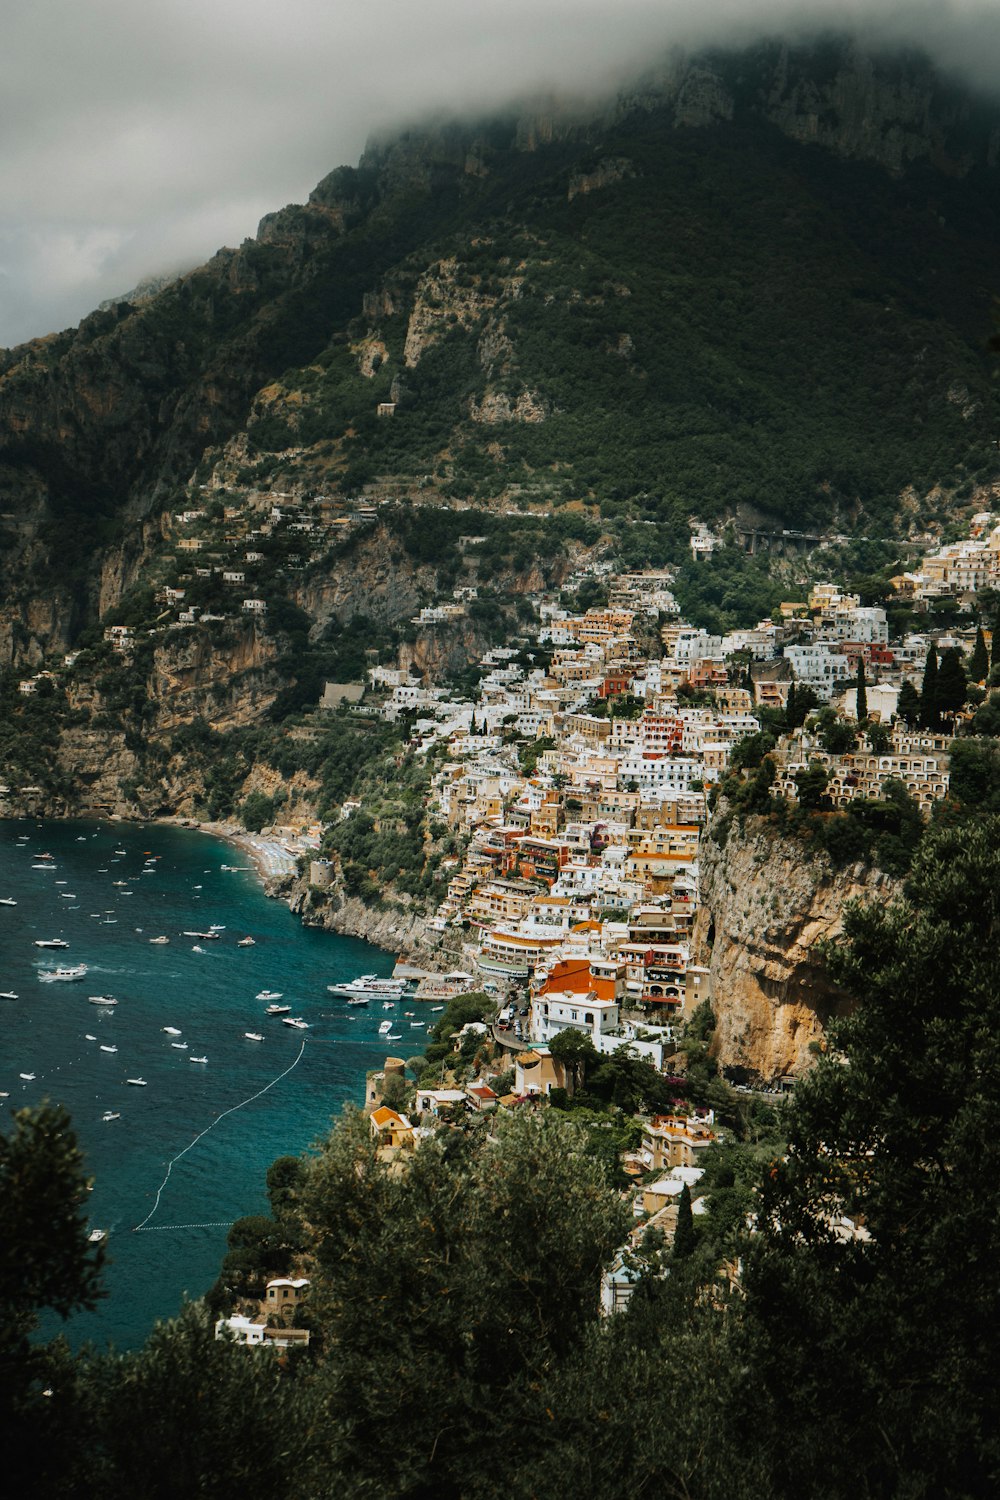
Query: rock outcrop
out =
(767, 904)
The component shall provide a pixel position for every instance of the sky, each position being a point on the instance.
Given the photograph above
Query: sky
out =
(139, 138)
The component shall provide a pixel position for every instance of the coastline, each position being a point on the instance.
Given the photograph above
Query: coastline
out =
(271, 858)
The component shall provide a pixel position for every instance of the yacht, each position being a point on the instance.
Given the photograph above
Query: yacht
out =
(51, 943)
(297, 1022)
(198, 1059)
(8, 995)
(171, 1030)
(253, 1036)
(384, 1028)
(78, 971)
(278, 1010)
(140, 1083)
(247, 942)
(206, 937)
(371, 986)
(269, 995)
(97, 1235)
(111, 1114)
(7, 901)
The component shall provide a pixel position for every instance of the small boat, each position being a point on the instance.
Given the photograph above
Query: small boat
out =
(269, 995)
(253, 1036)
(437, 1007)
(196, 948)
(97, 1235)
(278, 1010)
(108, 1049)
(8, 995)
(171, 1030)
(110, 922)
(28, 1077)
(394, 1036)
(43, 867)
(159, 940)
(88, 1038)
(140, 1083)
(206, 937)
(198, 1059)
(181, 1046)
(247, 942)
(297, 1022)
(119, 882)
(216, 926)
(416, 1023)
(7, 901)
(120, 851)
(78, 971)
(101, 1000)
(111, 1114)
(384, 1028)
(51, 943)
(388, 1004)
(359, 1000)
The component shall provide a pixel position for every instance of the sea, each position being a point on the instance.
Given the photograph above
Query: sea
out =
(187, 1152)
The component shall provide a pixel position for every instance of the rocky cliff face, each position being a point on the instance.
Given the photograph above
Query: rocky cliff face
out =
(766, 905)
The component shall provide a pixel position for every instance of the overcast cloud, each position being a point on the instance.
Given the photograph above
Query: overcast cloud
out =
(137, 139)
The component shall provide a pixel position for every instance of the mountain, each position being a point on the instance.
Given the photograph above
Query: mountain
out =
(755, 283)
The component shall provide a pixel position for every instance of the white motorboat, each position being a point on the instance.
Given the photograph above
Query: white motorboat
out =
(206, 937)
(269, 995)
(140, 1083)
(394, 1036)
(28, 1077)
(297, 1022)
(171, 1030)
(159, 940)
(111, 1114)
(97, 1235)
(384, 1028)
(181, 1046)
(437, 1007)
(198, 1059)
(371, 986)
(253, 1036)
(247, 942)
(88, 1038)
(196, 948)
(108, 1049)
(417, 1023)
(359, 1000)
(47, 976)
(8, 995)
(51, 943)
(106, 1000)
(7, 901)
(278, 1010)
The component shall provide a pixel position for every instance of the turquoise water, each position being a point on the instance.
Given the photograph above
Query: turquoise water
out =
(107, 905)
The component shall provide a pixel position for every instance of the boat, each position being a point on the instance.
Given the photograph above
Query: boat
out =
(394, 1036)
(78, 971)
(216, 926)
(359, 1000)
(8, 995)
(159, 940)
(198, 1059)
(140, 1083)
(196, 948)
(88, 1038)
(171, 1030)
(388, 1004)
(181, 1046)
(253, 1036)
(101, 1000)
(372, 986)
(384, 1028)
(120, 851)
(51, 943)
(108, 1049)
(111, 1114)
(97, 1235)
(278, 1010)
(297, 1022)
(206, 937)
(7, 901)
(269, 995)
(247, 942)
(416, 1023)
(437, 1007)
(43, 867)
(28, 1077)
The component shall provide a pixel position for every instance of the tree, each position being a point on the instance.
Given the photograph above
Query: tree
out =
(811, 787)
(979, 661)
(861, 692)
(575, 1050)
(908, 706)
(445, 1293)
(839, 737)
(684, 1237)
(801, 701)
(875, 1345)
(930, 717)
(995, 640)
(951, 684)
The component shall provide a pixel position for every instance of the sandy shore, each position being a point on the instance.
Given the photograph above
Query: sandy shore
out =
(269, 856)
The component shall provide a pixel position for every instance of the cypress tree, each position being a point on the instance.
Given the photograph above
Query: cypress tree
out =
(790, 708)
(995, 641)
(930, 715)
(951, 685)
(979, 661)
(861, 692)
(684, 1233)
(908, 707)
